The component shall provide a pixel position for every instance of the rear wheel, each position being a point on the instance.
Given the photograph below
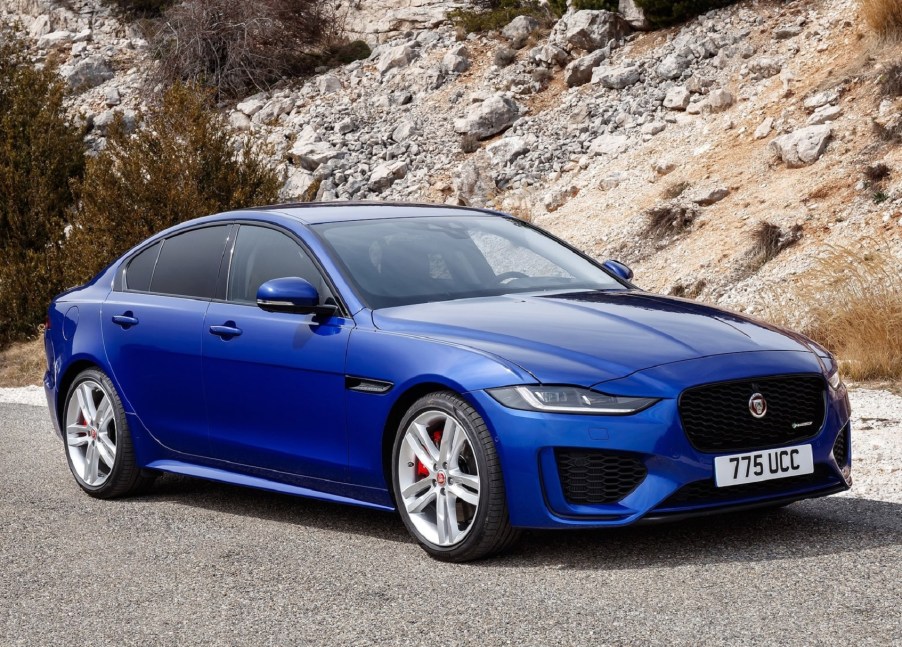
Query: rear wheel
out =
(447, 480)
(98, 443)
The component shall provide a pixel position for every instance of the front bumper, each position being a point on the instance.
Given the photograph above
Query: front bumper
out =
(526, 443)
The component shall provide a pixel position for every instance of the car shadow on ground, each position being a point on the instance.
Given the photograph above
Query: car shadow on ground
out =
(826, 526)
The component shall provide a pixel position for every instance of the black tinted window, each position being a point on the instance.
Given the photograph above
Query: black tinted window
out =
(140, 269)
(189, 263)
(262, 254)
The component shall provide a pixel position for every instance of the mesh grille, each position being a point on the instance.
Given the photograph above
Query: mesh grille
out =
(716, 417)
(839, 447)
(701, 492)
(593, 477)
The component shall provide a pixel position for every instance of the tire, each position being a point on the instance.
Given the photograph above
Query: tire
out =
(450, 494)
(97, 440)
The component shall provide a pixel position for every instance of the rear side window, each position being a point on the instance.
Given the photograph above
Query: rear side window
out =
(262, 254)
(140, 269)
(189, 263)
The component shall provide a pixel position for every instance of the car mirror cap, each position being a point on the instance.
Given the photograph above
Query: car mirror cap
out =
(618, 269)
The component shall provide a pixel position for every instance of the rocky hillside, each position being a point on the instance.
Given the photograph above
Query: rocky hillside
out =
(666, 149)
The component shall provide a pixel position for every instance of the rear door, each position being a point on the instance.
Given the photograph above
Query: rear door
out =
(275, 382)
(153, 332)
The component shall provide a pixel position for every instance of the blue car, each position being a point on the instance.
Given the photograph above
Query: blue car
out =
(457, 365)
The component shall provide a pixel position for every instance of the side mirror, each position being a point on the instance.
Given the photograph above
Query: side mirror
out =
(291, 294)
(619, 270)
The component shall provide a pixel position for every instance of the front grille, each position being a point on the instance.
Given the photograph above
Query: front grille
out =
(707, 492)
(716, 417)
(839, 447)
(593, 477)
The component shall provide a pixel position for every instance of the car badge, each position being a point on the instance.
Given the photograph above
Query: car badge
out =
(757, 405)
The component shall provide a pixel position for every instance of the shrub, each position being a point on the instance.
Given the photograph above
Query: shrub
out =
(40, 153)
(768, 240)
(876, 173)
(855, 310)
(669, 218)
(492, 15)
(883, 16)
(891, 81)
(181, 163)
(356, 50)
(559, 7)
(143, 8)
(237, 46)
(661, 13)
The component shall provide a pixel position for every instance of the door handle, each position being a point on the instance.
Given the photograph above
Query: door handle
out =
(125, 320)
(226, 331)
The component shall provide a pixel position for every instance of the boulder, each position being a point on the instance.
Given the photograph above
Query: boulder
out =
(519, 29)
(474, 183)
(396, 57)
(557, 198)
(590, 30)
(311, 155)
(384, 175)
(87, 73)
(820, 99)
(677, 98)
(506, 150)
(709, 195)
(609, 144)
(616, 78)
(824, 114)
(345, 126)
(672, 67)
(549, 55)
(652, 128)
(328, 83)
(488, 117)
(251, 106)
(403, 131)
(299, 181)
(272, 110)
(719, 100)
(633, 15)
(112, 97)
(454, 63)
(765, 67)
(579, 72)
(55, 39)
(239, 121)
(802, 147)
(764, 128)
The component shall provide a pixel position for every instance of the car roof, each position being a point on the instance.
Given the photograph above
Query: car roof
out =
(312, 213)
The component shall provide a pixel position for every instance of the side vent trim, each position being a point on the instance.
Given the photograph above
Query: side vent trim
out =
(367, 385)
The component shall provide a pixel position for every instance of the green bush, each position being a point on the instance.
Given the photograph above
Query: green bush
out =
(661, 13)
(559, 7)
(40, 153)
(181, 163)
(493, 15)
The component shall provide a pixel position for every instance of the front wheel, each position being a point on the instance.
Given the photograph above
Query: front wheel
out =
(98, 443)
(447, 480)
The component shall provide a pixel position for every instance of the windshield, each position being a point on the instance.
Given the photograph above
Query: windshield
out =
(402, 261)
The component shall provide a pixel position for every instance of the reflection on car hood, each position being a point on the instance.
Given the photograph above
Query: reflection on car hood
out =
(588, 337)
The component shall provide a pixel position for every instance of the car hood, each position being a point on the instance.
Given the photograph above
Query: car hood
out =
(588, 337)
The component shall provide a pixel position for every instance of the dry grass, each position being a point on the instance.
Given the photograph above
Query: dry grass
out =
(768, 240)
(883, 16)
(667, 219)
(854, 308)
(23, 364)
(891, 81)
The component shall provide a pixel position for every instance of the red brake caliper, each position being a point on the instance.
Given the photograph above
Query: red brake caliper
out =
(421, 470)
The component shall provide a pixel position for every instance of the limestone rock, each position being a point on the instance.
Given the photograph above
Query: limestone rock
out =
(403, 131)
(250, 106)
(616, 78)
(311, 155)
(384, 175)
(396, 57)
(328, 83)
(609, 145)
(821, 99)
(590, 30)
(709, 195)
(549, 55)
(824, 114)
(519, 29)
(677, 98)
(763, 130)
(87, 73)
(506, 150)
(579, 72)
(488, 117)
(719, 100)
(672, 67)
(765, 67)
(802, 147)
(55, 39)
(633, 14)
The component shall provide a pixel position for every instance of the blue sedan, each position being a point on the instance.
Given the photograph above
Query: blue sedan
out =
(459, 366)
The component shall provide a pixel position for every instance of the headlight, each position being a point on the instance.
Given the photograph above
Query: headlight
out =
(834, 379)
(568, 399)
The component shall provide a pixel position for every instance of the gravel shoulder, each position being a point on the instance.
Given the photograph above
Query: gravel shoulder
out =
(196, 562)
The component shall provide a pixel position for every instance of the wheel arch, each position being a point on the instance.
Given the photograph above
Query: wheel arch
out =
(71, 372)
(400, 407)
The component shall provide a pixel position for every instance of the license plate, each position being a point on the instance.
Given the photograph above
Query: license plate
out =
(765, 465)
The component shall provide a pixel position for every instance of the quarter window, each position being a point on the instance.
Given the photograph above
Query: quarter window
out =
(189, 263)
(262, 254)
(140, 269)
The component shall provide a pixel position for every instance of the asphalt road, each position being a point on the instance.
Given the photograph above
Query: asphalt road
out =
(201, 563)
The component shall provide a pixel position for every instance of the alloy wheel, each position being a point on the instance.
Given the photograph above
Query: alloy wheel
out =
(91, 433)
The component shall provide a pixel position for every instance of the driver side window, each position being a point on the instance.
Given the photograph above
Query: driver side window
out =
(262, 254)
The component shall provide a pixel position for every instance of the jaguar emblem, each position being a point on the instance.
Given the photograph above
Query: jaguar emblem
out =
(757, 405)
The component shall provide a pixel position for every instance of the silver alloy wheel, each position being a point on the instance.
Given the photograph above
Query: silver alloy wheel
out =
(438, 478)
(91, 433)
